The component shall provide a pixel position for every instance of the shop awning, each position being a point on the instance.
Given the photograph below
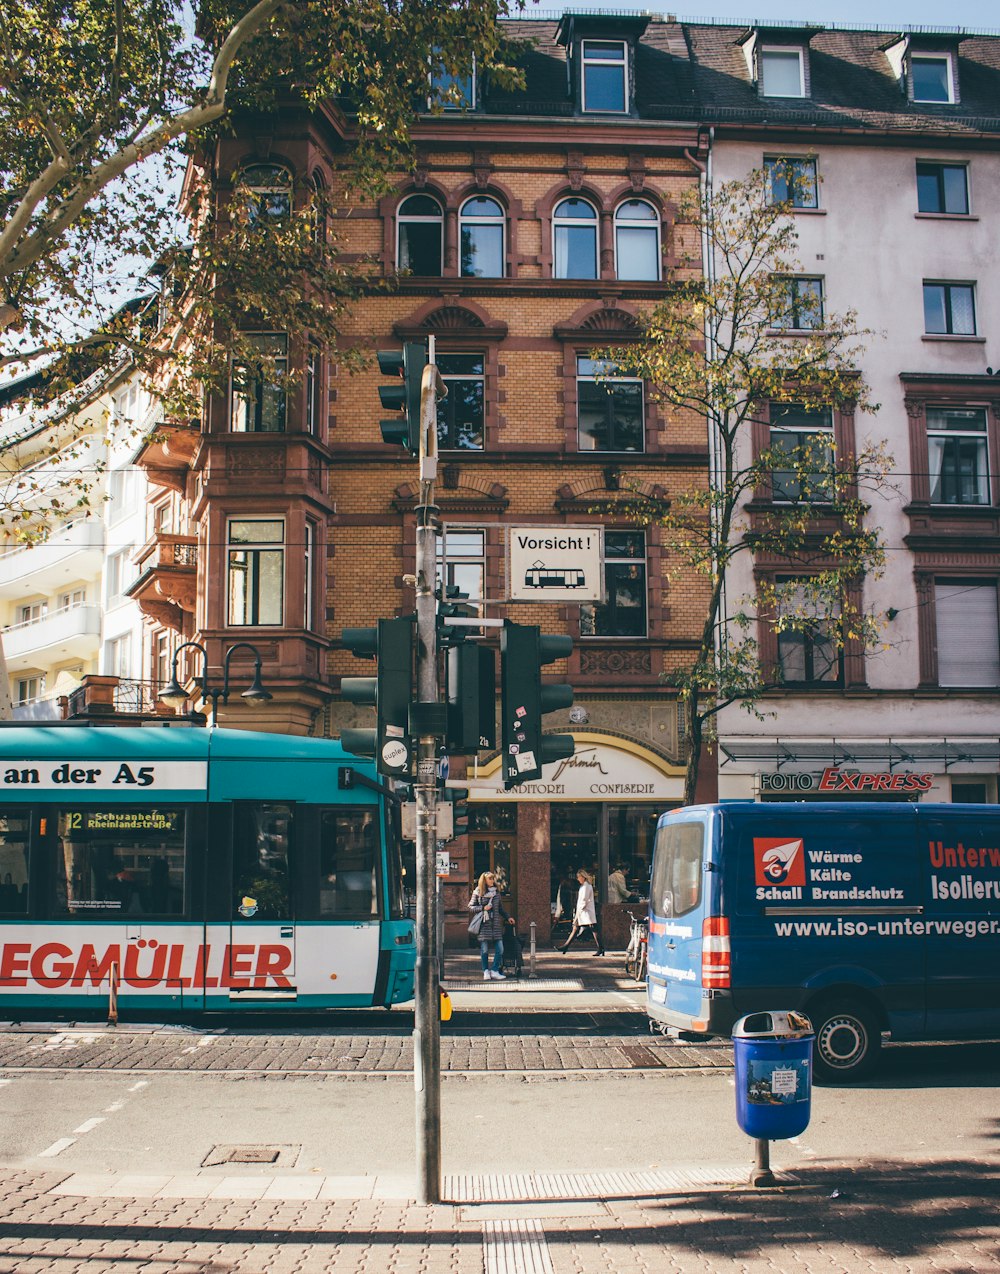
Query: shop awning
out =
(937, 753)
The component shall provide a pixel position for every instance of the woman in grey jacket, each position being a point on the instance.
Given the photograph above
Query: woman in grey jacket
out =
(486, 899)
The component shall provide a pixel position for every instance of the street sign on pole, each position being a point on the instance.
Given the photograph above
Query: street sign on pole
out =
(555, 564)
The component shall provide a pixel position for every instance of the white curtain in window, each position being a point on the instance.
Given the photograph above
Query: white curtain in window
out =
(968, 635)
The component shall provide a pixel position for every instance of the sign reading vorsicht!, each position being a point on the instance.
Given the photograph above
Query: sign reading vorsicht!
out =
(555, 564)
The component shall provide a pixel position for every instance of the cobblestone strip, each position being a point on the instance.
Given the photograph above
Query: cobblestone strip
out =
(515, 1247)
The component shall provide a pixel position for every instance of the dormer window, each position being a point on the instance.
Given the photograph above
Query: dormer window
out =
(932, 77)
(453, 92)
(780, 72)
(605, 76)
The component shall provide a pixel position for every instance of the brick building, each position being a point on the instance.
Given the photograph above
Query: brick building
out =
(534, 229)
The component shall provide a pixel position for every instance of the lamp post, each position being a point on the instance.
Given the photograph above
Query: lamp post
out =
(174, 695)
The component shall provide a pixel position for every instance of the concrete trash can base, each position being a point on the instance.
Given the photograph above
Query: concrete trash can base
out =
(773, 1056)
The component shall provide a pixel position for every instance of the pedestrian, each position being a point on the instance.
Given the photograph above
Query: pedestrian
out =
(486, 900)
(585, 915)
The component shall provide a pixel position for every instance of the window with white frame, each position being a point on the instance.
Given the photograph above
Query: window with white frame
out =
(957, 461)
(309, 568)
(163, 656)
(481, 225)
(968, 633)
(802, 453)
(72, 597)
(791, 179)
(623, 613)
(463, 564)
(808, 650)
(268, 190)
(117, 576)
(123, 488)
(257, 395)
(605, 76)
(32, 612)
(255, 571)
(637, 240)
(461, 413)
(314, 382)
(419, 236)
(780, 73)
(943, 188)
(949, 309)
(610, 407)
(29, 689)
(932, 77)
(797, 303)
(453, 92)
(126, 402)
(118, 656)
(574, 236)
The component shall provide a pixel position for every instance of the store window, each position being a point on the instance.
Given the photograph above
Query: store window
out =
(623, 614)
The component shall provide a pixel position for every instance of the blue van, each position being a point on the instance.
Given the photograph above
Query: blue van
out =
(870, 918)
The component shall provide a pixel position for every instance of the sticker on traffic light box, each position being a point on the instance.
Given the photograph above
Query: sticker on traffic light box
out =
(524, 761)
(395, 754)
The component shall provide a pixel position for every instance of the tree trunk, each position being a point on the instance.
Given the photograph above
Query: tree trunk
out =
(692, 721)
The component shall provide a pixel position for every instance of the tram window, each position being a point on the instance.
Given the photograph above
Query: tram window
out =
(120, 861)
(347, 861)
(397, 881)
(260, 860)
(13, 864)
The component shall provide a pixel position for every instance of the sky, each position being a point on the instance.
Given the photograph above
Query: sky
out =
(975, 14)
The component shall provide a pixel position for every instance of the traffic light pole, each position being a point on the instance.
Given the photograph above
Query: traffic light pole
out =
(427, 1020)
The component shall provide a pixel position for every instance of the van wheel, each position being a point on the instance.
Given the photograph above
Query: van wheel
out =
(848, 1040)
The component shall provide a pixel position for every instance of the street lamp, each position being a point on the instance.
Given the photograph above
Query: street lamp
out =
(174, 695)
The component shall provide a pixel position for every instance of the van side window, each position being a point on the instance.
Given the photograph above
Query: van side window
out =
(677, 869)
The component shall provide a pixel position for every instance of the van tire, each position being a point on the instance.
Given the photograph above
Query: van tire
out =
(848, 1040)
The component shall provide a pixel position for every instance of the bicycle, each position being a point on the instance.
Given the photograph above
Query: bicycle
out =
(638, 947)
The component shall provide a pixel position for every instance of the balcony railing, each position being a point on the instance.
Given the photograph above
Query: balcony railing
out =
(100, 696)
(167, 549)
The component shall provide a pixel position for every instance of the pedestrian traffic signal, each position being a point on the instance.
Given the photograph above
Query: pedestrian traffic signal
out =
(390, 693)
(524, 700)
(458, 798)
(472, 700)
(406, 365)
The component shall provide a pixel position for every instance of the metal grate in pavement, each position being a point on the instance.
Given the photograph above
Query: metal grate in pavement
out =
(282, 1156)
(522, 1187)
(515, 1247)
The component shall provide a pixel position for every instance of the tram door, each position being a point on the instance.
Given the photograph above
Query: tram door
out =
(262, 932)
(494, 848)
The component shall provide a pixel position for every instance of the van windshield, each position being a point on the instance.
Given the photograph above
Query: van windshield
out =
(677, 869)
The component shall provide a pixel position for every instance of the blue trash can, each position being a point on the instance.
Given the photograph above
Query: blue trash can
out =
(773, 1055)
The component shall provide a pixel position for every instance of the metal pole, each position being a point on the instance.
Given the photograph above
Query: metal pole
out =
(531, 958)
(426, 1017)
(762, 1174)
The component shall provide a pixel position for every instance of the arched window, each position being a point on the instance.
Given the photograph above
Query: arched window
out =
(637, 240)
(420, 226)
(269, 192)
(574, 233)
(482, 227)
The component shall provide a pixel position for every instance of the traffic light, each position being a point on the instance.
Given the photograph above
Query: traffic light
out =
(390, 693)
(524, 700)
(471, 688)
(403, 396)
(458, 798)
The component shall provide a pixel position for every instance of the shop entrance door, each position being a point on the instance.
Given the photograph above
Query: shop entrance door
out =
(494, 848)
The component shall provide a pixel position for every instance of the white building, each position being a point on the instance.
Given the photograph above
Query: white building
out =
(898, 139)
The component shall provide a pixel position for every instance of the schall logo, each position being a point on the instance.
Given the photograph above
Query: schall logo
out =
(779, 861)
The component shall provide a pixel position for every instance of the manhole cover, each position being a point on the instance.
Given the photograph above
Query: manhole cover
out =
(283, 1156)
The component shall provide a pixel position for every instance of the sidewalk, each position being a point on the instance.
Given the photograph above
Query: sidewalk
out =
(577, 980)
(912, 1216)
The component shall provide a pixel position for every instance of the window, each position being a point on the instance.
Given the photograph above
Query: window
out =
(118, 576)
(956, 455)
(118, 657)
(678, 869)
(802, 451)
(126, 403)
(268, 193)
(262, 841)
(610, 408)
(14, 840)
(780, 73)
(623, 614)
(464, 560)
(453, 92)
(163, 654)
(943, 188)
(29, 689)
(257, 400)
(32, 612)
(162, 517)
(481, 225)
(74, 597)
(348, 853)
(460, 416)
(575, 240)
(797, 304)
(122, 493)
(968, 634)
(314, 381)
(256, 570)
(949, 309)
(308, 568)
(605, 76)
(931, 78)
(119, 862)
(792, 180)
(420, 225)
(808, 651)
(637, 240)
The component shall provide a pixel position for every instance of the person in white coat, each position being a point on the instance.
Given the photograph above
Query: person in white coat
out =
(585, 916)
